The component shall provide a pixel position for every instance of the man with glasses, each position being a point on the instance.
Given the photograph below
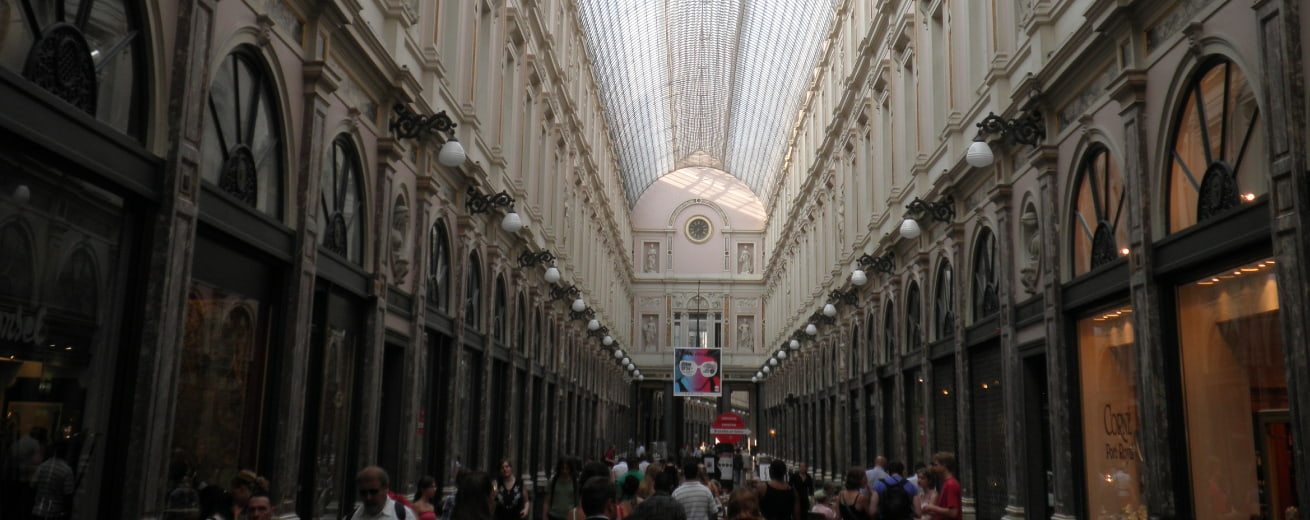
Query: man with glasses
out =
(374, 488)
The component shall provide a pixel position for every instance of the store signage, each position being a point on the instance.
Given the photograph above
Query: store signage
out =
(21, 325)
(1123, 425)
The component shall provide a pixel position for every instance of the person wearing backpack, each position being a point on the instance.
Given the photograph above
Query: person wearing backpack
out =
(894, 495)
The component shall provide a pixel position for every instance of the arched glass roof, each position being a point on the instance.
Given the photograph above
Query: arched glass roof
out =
(713, 83)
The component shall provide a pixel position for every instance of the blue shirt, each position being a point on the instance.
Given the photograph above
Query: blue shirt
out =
(881, 485)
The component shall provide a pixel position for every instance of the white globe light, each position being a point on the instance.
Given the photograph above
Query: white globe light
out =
(511, 223)
(759, 374)
(858, 278)
(829, 310)
(579, 305)
(608, 340)
(811, 329)
(641, 377)
(782, 354)
(910, 228)
(755, 379)
(626, 361)
(451, 154)
(22, 194)
(766, 370)
(979, 154)
(618, 354)
(773, 362)
(552, 275)
(593, 324)
(631, 367)
(794, 344)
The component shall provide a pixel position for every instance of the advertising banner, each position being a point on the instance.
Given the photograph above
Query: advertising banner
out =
(696, 372)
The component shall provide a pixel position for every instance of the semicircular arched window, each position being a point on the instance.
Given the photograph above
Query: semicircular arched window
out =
(242, 142)
(913, 319)
(439, 268)
(17, 264)
(473, 294)
(500, 311)
(943, 307)
(1217, 153)
(986, 291)
(340, 214)
(1100, 220)
(89, 53)
(888, 333)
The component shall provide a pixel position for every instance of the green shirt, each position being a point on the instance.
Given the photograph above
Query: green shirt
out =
(561, 498)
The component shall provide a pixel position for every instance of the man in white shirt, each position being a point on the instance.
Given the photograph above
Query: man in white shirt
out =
(876, 473)
(696, 499)
(619, 469)
(374, 488)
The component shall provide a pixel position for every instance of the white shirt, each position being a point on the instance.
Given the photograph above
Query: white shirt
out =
(618, 470)
(697, 500)
(875, 474)
(388, 511)
(642, 467)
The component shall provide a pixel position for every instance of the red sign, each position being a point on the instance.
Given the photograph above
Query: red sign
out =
(729, 428)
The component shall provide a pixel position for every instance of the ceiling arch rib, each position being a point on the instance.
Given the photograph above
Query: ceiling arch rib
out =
(713, 83)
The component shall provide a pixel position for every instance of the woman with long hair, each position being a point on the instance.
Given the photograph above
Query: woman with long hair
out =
(475, 497)
(422, 504)
(778, 500)
(628, 499)
(511, 502)
(851, 504)
(744, 504)
(562, 493)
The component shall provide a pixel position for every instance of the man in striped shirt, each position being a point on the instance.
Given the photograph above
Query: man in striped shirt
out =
(695, 498)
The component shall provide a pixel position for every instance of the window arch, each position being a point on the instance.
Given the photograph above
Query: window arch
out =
(79, 283)
(913, 318)
(944, 302)
(871, 335)
(1100, 224)
(500, 312)
(1215, 161)
(521, 331)
(341, 215)
(92, 56)
(473, 294)
(18, 263)
(888, 333)
(986, 293)
(439, 267)
(242, 142)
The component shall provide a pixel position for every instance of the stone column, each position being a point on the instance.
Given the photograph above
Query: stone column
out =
(1279, 33)
(165, 295)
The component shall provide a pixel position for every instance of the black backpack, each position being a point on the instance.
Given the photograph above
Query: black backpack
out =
(894, 503)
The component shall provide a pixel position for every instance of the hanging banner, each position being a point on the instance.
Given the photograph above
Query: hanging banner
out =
(696, 372)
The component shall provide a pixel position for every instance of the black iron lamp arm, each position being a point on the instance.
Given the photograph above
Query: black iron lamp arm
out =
(941, 211)
(409, 125)
(884, 264)
(480, 203)
(1026, 129)
(529, 259)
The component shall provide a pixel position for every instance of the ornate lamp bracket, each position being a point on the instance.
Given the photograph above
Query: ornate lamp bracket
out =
(409, 125)
(941, 211)
(884, 264)
(528, 259)
(1025, 129)
(481, 203)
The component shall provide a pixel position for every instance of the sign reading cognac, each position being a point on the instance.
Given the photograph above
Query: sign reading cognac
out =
(22, 326)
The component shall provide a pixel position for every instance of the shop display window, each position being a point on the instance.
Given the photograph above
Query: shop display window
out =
(1235, 390)
(220, 387)
(1112, 456)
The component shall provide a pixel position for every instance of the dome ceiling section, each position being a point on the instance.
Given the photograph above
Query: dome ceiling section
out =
(714, 83)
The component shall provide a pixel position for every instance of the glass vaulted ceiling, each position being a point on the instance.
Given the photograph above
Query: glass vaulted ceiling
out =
(703, 82)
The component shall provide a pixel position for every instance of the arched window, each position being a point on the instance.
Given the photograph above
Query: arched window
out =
(242, 143)
(538, 337)
(913, 318)
(986, 295)
(500, 312)
(17, 264)
(473, 294)
(871, 333)
(1100, 228)
(521, 332)
(79, 283)
(1216, 161)
(91, 55)
(855, 347)
(439, 267)
(944, 308)
(888, 333)
(341, 215)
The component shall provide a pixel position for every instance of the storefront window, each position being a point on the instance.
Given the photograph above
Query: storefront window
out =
(61, 243)
(1235, 388)
(1100, 232)
(1112, 458)
(85, 52)
(220, 383)
(1217, 163)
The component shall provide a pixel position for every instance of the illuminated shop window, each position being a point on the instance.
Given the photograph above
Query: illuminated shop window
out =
(1112, 457)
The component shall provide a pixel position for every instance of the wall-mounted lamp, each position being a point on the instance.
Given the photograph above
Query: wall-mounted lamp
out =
(822, 318)
(528, 260)
(565, 292)
(607, 340)
(773, 362)
(409, 125)
(1025, 129)
(618, 354)
(583, 315)
(941, 211)
(598, 332)
(794, 344)
(481, 203)
(829, 310)
(848, 297)
(884, 264)
(811, 330)
(782, 354)
(858, 278)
